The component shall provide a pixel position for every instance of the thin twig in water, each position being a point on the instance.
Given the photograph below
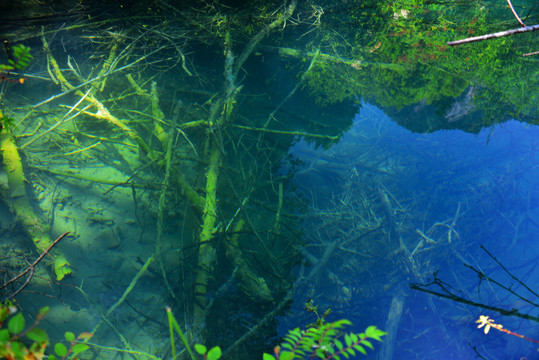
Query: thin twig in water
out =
(31, 267)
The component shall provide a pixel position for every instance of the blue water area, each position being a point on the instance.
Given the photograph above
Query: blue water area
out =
(459, 208)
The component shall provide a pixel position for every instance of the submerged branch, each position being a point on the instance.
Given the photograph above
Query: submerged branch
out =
(33, 265)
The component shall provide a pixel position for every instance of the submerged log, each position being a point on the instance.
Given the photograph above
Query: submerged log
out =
(19, 202)
(391, 327)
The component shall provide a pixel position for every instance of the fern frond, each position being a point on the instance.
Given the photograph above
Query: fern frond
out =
(322, 342)
(19, 60)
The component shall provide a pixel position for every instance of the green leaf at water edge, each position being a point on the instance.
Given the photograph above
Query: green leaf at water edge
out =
(4, 336)
(16, 348)
(368, 344)
(201, 349)
(287, 346)
(268, 357)
(60, 349)
(374, 333)
(320, 353)
(214, 353)
(38, 335)
(78, 348)
(69, 336)
(16, 324)
(348, 340)
(360, 349)
(286, 355)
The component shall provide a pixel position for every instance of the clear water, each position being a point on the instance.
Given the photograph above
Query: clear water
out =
(343, 183)
(491, 178)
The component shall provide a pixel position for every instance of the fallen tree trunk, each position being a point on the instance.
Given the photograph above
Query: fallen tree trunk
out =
(19, 202)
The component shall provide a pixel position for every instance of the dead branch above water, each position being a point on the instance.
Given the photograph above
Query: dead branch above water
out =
(494, 35)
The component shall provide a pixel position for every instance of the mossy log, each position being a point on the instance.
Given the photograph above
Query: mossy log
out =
(250, 284)
(206, 252)
(20, 204)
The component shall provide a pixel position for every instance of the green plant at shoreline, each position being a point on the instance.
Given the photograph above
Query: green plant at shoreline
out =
(13, 339)
(316, 342)
(320, 319)
(323, 342)
(18, 58)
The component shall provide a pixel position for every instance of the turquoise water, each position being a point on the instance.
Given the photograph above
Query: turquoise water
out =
(480, 189)
(349, 158)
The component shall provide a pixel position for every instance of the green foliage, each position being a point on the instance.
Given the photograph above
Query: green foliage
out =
(12, 346)
(16, 324)
(173, 325)
(395, 55)
(316, 342)
(320, 341)
(323, 342)
(19, 60)
(320, 319)
(213, 354)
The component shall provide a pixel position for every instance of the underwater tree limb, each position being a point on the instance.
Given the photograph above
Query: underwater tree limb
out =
(62, 121)
(115, 329)
(102, 111)
(219, 118)
(138, 90)
(89, 82)
(195, 200)
(392, 325)
(220, 112)
(263, 322)
(136, 353)
(250, 284)
(95, 180)
(22, 207)
(206, 253)
(284, 132)
(322, 57)
(254, 42)
(169, 39)
(165, 141)
(481, 275)
(108, 66)
(31, 268)
(271, 116)
(129, 288)
(157, 113)
(273, 261)
(277, 222)
(448, 295)
(507, 272)
(270, 316)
